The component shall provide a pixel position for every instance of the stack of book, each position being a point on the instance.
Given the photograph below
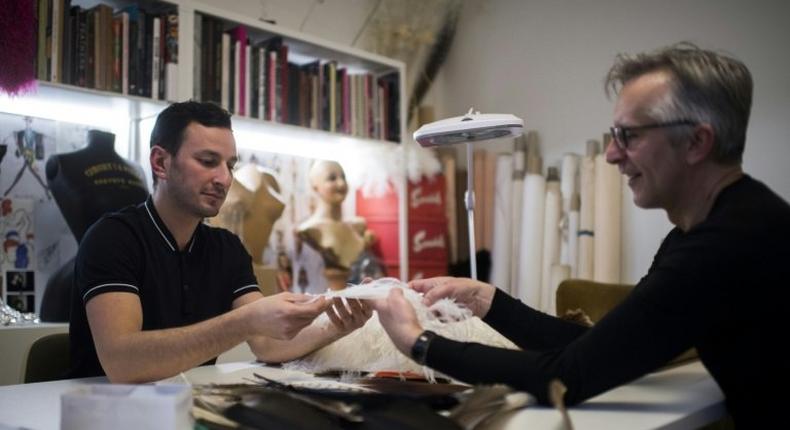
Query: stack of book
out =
(256, 78)
(128, 51)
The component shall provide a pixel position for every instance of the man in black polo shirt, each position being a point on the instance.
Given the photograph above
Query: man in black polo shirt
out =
(158, 292)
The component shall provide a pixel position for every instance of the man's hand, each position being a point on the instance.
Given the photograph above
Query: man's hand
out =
(399, 320)
(475, 295)
(348, 317)
(283, 316)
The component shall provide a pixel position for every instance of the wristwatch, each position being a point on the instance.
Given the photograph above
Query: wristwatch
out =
(419, 351)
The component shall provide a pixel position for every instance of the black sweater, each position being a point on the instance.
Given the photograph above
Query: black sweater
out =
(720, 287)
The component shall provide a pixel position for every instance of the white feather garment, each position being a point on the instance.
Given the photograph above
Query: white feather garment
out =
(370, 348)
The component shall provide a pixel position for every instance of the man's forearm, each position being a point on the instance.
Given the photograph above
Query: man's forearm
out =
(144, 356)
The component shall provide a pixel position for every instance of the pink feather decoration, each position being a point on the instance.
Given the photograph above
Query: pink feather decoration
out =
(17, 46)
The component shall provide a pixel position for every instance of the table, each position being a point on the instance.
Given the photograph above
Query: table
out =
(683, 397)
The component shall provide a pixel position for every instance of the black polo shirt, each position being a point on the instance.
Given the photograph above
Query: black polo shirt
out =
(133, 251)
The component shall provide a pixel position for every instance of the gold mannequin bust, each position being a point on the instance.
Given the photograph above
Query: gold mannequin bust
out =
(251, 208)
(340, 242)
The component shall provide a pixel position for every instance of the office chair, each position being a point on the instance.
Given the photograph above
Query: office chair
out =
(596, 299)
(48, 358)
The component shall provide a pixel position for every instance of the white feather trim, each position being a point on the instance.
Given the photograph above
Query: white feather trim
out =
(370, 348)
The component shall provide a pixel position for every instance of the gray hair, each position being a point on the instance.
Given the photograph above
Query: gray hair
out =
(707, 87)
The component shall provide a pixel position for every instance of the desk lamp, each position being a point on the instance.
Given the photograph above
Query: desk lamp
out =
(469, 128)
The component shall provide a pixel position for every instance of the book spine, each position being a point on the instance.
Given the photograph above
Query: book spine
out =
(57, 35)
(82, 49)
(225, 62)
(332, 77)
(198, 59)
(41, 57)
(171, 57)
(124, 53)
(247, 95)
(262, 83)
(66, 63)
(238, 79)
(117, 54)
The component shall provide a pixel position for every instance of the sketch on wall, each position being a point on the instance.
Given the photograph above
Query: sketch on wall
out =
(36, 239)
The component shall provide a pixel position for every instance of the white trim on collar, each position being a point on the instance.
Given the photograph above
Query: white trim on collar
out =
(147, 209)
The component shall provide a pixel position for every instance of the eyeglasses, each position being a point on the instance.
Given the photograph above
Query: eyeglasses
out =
(620, 135)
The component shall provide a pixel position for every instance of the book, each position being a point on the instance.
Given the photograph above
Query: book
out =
(198, 61)
(117, 54)
(124, 17)
(57, 40)
(68, 37)
(225, 72)
(156, 55)
(240, 76)
(43, 40)
(170, 47)
(80, 75)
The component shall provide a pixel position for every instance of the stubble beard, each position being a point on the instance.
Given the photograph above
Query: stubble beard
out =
(191, 201)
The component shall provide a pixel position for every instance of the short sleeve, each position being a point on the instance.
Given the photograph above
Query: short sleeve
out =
(109, 259)
(243, 279)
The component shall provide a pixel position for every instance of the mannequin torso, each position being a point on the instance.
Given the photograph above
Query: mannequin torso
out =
(251, 208)
(340, 242)
(92, 181)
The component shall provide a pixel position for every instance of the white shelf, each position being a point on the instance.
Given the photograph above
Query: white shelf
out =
(131, 117)
(305, 44)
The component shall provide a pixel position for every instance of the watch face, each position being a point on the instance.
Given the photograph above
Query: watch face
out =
(419, 350)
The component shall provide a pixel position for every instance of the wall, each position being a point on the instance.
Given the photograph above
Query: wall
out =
(545, 60)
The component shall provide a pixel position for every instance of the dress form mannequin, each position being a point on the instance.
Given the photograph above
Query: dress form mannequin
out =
(86, 184)
(339, 242)
(251, 208)
(92, 181)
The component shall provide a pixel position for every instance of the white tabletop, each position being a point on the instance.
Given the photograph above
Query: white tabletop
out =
(684, 397)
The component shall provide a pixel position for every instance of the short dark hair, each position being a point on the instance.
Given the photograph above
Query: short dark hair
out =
(169, 129)
(707, 87)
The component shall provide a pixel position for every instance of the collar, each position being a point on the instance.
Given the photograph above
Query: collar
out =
(161, 228)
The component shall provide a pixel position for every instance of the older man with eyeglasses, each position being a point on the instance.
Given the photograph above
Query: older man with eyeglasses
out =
(719, 281)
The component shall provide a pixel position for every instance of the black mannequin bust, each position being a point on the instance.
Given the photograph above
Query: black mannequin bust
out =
(86, 184)
(92, 181)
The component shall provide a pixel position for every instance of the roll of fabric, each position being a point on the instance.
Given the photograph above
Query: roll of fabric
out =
(551, 237)
(447, 158)
(608, 190)
(489, 193)
(478, 181)
(500, 252)
(573, 235)
(531, 242)
(586, 232)
(559, 273)
(569, 185)
(519, 170)
(569, 179)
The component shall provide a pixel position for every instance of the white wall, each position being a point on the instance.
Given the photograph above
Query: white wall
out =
(545, 60)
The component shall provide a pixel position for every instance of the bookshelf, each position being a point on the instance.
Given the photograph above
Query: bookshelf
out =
(130, 115)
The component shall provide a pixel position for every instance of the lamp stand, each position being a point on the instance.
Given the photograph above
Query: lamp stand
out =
(469, 200)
